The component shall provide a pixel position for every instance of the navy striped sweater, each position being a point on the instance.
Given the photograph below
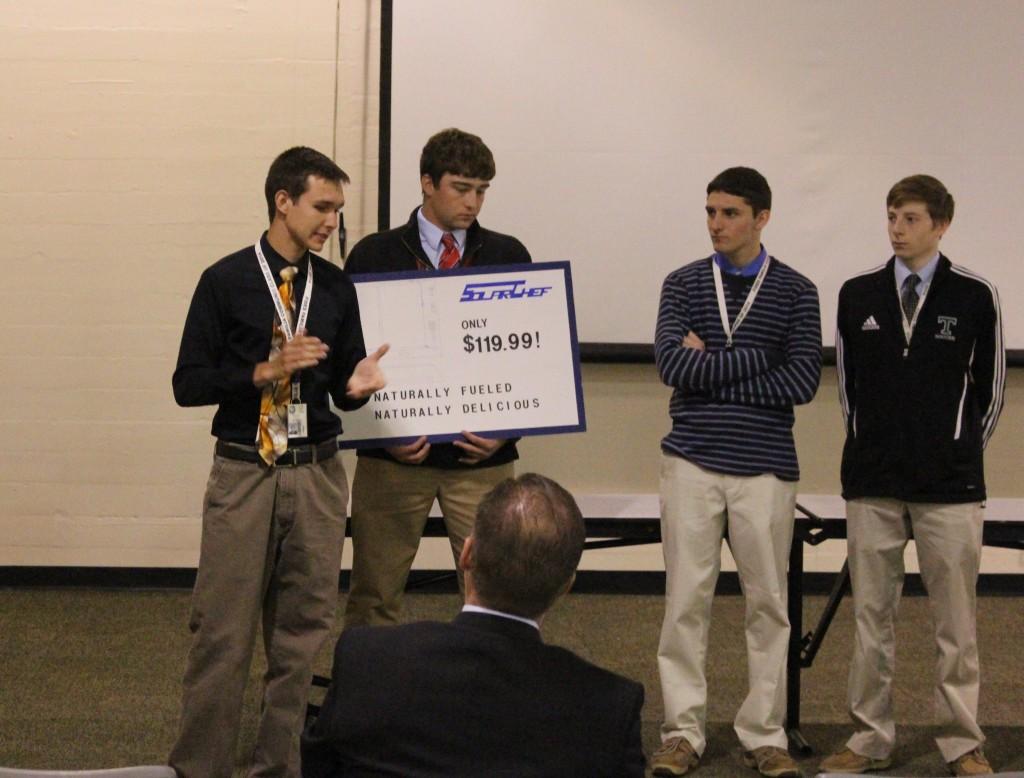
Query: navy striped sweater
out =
(732, 409)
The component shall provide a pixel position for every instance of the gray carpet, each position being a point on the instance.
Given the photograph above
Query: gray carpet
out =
(91, 677)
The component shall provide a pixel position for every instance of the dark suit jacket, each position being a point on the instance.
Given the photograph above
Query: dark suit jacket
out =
(400, 250)
(481, 696)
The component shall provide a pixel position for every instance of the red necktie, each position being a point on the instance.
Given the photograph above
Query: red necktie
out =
(450, 256)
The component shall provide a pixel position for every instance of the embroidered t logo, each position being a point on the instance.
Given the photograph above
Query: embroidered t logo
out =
(947, 323)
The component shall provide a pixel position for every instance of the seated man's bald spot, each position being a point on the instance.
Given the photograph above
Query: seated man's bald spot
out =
(527, 542)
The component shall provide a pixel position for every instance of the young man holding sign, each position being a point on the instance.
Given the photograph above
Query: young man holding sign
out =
(394, 488)
(271, 332)
(739, 341)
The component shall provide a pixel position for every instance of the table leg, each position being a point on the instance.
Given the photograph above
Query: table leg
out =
(797, 743)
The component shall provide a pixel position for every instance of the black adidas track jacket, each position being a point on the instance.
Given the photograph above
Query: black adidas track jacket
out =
(918, 416)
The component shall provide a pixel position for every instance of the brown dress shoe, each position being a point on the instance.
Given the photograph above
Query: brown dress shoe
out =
(971, 763)
(846, 760)
(772, 761)
(675, 757)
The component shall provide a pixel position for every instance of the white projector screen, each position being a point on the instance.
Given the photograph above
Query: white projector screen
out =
(607, 118)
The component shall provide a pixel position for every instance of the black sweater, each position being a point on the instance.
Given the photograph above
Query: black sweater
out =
(228, 332)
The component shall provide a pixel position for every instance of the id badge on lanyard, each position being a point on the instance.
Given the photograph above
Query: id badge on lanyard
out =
(298, 426)
(298, 419)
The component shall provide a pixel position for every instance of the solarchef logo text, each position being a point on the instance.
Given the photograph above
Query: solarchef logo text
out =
(501, 290)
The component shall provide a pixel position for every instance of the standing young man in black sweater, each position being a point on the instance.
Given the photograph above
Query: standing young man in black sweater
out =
(921, 370)
(267, 346)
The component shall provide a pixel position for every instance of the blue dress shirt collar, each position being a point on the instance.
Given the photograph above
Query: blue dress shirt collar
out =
(751, 268)
(925, 274)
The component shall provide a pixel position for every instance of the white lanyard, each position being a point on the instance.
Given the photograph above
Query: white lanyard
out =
(275, 295)
(751, 295)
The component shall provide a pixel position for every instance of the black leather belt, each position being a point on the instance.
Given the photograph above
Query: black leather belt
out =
(297, 455)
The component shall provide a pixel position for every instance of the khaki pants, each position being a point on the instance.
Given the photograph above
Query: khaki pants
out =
(948, 540)
(390, 507)
(697, 506)
(271, 552)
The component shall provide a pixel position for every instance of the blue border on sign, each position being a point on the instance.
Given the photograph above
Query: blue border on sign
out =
(562, 265)
(570, 301)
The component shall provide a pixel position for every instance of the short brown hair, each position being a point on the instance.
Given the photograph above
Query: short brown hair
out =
(744, 182)
(924, 189)
(291, 171)
(456, 152)
(527, 542)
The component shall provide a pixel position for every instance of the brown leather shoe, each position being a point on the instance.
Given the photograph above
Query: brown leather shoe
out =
(971, 763)
(675, 757)
(772, 761)
(846, 760)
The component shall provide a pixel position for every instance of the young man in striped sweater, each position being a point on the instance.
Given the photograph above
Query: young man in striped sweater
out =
(921, 369)
(739, 341)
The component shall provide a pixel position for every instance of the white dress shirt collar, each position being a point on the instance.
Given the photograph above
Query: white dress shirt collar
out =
(489, 612)
(430, 238)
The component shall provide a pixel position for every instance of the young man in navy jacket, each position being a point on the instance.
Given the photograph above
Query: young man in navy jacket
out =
(394, 488)
(921, 371)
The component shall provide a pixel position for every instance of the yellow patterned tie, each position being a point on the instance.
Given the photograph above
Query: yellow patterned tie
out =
(272, 436)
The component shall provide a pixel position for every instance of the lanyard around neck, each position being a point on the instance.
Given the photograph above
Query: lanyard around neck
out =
(275, 295)
(723, 311)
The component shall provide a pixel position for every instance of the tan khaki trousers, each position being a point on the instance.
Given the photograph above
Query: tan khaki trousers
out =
(390, 507)
(948, 540)
(271, 552)
(697, 506)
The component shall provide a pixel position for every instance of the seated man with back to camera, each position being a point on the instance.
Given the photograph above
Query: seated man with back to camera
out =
(483, 695)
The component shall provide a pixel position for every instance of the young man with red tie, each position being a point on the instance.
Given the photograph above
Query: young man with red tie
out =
(394, 488)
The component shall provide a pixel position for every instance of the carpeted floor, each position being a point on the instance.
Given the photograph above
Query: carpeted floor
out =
(90, 678)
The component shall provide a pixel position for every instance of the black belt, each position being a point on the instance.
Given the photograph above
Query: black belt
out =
(297, 455)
